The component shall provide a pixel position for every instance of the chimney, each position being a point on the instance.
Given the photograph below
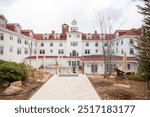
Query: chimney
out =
(65, 28)
(95, 32)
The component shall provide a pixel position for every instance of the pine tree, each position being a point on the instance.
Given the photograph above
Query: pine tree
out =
(144, 41)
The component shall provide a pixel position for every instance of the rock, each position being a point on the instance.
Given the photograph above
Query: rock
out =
(46, 77)
(112, 76)
(12, 90)
(122, 85)
(17, 83)
(32, 80)
(38, 80)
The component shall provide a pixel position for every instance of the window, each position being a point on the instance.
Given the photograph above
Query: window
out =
(94, 68)
(129, 66)
(26, 51)
(35, 51)
(42, 44)
(11, 37)
(74, 43)
(18, 50)
(1, 50)
(69, 63)
(25, 42)
(51, 44)
(96, 44)
(19, 40)
(117, 43)
(60, 51)
(96, 51)
(121, 51)
(35, 44)
(18, 29)
(42, 51)
(131, 51)
(78, 36)
(105, 44)
(121, 42)
(1, 36)
(117, 50)
(87, 51)
(51, 51)
(60, 44)
(87, 44)
(11, 49)
(78, 63)
(131, 41)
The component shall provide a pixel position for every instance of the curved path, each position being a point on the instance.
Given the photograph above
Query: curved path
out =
(66, 87)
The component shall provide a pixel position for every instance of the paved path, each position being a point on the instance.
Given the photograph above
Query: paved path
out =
(66, 88)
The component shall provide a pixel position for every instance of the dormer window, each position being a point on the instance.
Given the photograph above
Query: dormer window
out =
(57, 36)
(30, 34)
(102, 36)
(46, 36)
(18, 30)
(117, 34)
(88, 36)
(2, 23)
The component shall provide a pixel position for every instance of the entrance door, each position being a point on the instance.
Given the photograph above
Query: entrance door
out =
(74, 66)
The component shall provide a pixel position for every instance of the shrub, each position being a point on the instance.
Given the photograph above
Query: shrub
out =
(137, 77)
(10, 71)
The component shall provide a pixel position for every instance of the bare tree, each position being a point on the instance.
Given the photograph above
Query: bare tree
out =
(30, 45)
(105, 20)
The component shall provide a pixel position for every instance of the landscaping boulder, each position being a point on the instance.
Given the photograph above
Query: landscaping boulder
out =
(122, 85)
(46, 77)
(17, 83)
(11, 90)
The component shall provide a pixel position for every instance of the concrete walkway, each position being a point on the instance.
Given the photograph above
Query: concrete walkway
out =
(66, 88)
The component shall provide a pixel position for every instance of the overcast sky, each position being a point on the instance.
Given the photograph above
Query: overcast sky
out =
(43, 16)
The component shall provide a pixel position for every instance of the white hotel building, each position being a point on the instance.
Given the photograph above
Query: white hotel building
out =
(70, 48)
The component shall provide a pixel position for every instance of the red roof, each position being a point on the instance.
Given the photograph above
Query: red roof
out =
(34, 57)
(101, 58)
(133, 31)
(120, 32)
(12, 26)
(26, 32)
(88, 58)
(38, 36)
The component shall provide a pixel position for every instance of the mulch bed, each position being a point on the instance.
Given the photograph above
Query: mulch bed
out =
(107, 91)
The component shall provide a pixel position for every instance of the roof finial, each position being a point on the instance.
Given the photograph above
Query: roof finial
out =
(74, 15)
(74, 22)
